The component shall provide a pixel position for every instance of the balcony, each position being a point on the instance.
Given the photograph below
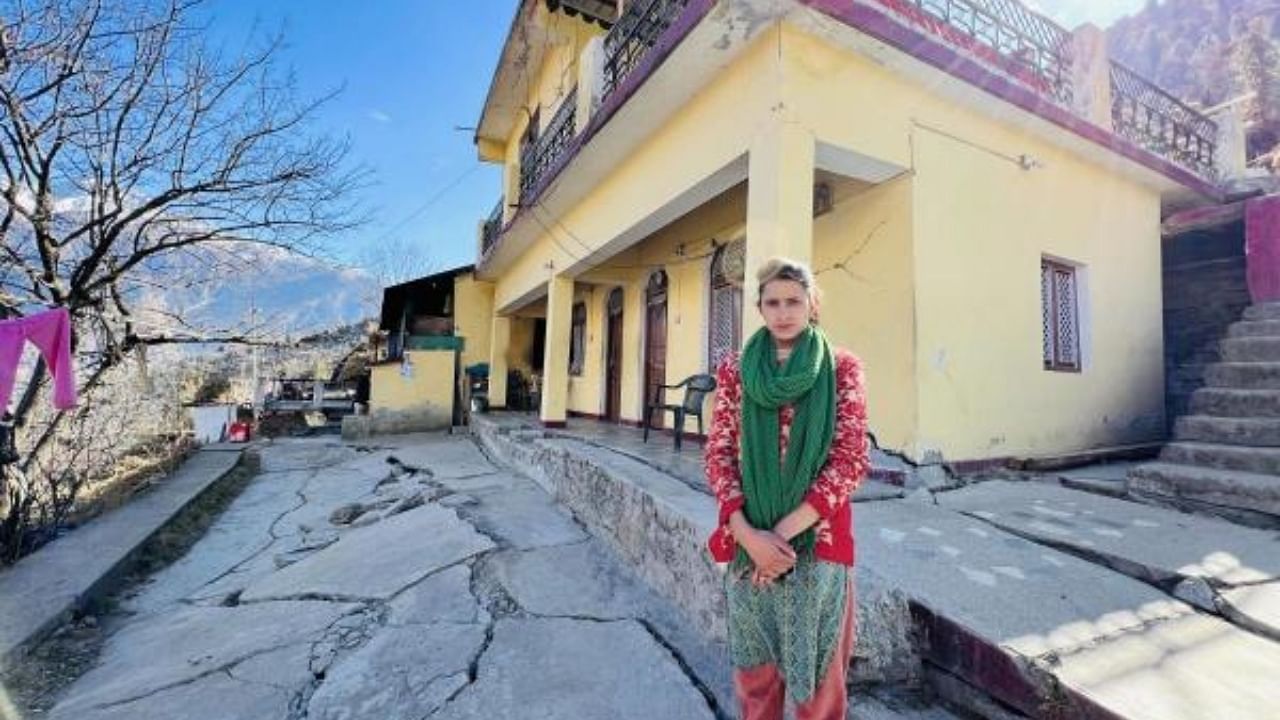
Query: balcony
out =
(492, 228)
(1027, 47)
(1155, 120)
(1036, 53)
(538, 157)
(638, 30)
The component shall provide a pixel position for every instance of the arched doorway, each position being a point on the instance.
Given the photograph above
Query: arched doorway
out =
(725, 327)
(613, 357)
(655, 336)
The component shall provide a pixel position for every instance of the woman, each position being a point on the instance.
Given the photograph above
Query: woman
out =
(787, 446)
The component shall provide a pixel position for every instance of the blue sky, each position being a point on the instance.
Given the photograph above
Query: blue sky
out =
(410, 72)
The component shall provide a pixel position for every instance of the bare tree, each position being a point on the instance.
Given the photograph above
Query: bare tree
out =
(393, 259)
(128, 145)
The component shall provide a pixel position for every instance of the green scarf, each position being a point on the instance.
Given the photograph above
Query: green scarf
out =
(774, 487)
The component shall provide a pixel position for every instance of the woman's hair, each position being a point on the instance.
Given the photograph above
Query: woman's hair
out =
(780, 268)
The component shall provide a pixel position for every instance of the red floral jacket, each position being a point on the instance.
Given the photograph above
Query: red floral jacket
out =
(847, 464)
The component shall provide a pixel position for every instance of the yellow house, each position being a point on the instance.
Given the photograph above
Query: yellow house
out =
(436, 326)
(979, 190)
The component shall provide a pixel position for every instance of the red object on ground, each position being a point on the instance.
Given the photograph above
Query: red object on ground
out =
(238, 432)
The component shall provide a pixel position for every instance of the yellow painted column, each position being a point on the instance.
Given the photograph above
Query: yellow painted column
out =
(500, 342)
(779, 205)
(633, 319)
(555, 364)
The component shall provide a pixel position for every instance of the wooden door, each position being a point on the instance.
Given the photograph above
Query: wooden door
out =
(655, 345)
(613, 358)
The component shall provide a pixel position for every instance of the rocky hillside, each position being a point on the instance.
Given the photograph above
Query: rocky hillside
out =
(1208, 52)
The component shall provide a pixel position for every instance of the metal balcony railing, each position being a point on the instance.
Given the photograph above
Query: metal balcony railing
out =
(1036, 52)
(1159, 122)
(1026, 46)
(635, 33)
(492, 228)
(539, 156)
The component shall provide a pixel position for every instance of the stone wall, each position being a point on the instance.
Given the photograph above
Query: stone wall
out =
(660, 526)
(1205, 290)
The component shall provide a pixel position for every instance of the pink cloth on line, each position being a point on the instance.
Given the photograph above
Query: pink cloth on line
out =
(50, 332)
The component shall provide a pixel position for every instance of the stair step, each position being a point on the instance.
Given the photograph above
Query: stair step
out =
(1251, 432)
(1223, 402)
(1255, 328)
(1224, 457)
(1252, 497)
(1244, 376)
(1048, 633)
(1263, 311)
(1251, 349)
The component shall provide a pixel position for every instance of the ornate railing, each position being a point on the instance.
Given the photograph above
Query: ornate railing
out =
(538, 157)
(492, 228)
(1159, 122)
(639, 28)
(1024, 45)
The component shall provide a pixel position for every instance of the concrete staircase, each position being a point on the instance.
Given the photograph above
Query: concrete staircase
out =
(1225, 454)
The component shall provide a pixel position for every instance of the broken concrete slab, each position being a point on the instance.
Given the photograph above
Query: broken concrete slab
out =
(1190, 667)
(556, 668)
(442, 597)
(215, 697)
(587, 581)
(580, 580)
(1256, 607)
(379, 561)
(655, 522)
(1033, 626)
(1158, 546)
(1165, 544)
(175, 648)
(404, 672)
(46, 586)
(523, 516)
(873, 490)
(441, 455)
(241, 532)
(288, 668)
(327, 491)
(288, 454)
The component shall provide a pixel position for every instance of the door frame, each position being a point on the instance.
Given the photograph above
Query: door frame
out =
(612, 350)
(657, 292)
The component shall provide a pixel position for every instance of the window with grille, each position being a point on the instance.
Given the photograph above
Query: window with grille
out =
(1060, 315)
(725, 326)
(578, 339)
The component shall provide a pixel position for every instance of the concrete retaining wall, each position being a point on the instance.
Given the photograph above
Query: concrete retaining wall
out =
(660, 526)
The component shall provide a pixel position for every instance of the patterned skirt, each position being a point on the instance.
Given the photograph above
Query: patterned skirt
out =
(793, 624)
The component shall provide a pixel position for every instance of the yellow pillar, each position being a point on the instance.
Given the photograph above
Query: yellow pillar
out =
(633, 319)
(499, 344)
(779, 205)
(555, 364)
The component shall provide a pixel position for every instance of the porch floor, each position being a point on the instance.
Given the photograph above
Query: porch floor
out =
(685, 465)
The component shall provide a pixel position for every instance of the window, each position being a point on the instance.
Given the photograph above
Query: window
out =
(578, 339)
(724, 331)
(1060, 313)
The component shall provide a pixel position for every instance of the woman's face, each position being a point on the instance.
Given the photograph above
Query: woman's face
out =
(786, 309)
